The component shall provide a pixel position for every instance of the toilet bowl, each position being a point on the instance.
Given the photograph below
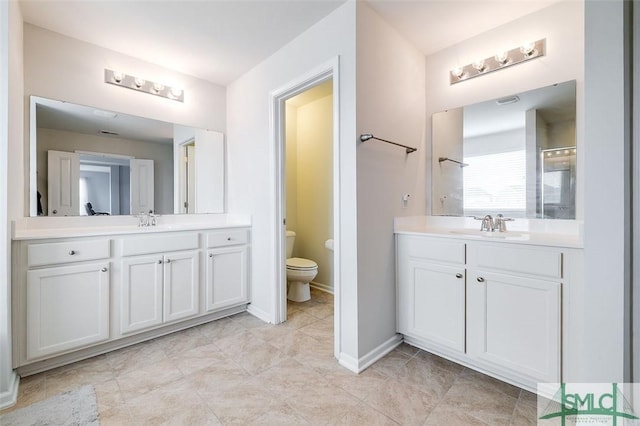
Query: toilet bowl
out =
(300, 272)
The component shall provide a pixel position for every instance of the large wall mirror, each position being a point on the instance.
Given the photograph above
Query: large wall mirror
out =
(515, 155)
(88, 161)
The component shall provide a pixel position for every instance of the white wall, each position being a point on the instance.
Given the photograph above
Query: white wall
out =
(252, 160)
(161, 154)
(562, 25)
(59, 67)
(605, 185)
(10, 136)
(391, 99)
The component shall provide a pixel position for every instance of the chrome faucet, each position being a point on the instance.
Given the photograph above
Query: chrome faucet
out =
(501, 223)
(147, 219)
(487, 223)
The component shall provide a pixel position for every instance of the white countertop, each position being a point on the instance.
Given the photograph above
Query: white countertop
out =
(31, 228)
(562, 236)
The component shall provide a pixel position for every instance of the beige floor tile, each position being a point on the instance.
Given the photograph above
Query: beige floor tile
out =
(197, 358)
(258, 357)
(322, 296)
(148, 378)
(529, 398)
(135, 357)
(288, 379)
(239, 343)
(358, 385)
(298, 319)
(176, 343)
(393, 363)
(173, 404)
(108, 395)
(248, 321)
(320, 311)
(221, 328)
(86, 373)
(470, 376)
(323, 404)
(321, 330)
(426, 377)
(296, 343)
(31, 390)
(115, 417)
(524, 414)
(240, 404)
(404, 404)
(222, 375)
(483, 403)
(452, 416)
(279, 414)
(407, 349)
(439, 362)
(363, 414)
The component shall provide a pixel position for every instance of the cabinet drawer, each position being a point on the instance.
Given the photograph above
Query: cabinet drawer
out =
(510, 258)
(439, 250)
(159, 244)
(227, 237)
(67, 252)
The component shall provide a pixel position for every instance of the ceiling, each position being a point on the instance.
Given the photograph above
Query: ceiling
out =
(219, 40)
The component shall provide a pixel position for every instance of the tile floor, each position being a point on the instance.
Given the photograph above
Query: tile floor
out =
(239, 370)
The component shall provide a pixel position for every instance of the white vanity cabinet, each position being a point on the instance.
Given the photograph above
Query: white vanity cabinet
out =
(226, 271)
(157, 286)
(492, 306)
(76, 297)
(514, 310)
(431, 291)
(67, 294)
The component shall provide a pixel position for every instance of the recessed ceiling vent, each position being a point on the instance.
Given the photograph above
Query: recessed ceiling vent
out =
(507, 101)
(109, 132)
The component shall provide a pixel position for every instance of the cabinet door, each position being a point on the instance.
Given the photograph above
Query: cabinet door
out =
(67, 308)
(436, 311)
(226, 279)
(181, 285)
(513, 325)
(141, 293)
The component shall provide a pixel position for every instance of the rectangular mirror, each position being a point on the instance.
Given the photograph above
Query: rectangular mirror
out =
(88, 161)
(515, 155)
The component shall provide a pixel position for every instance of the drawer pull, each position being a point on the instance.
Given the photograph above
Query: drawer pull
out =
(72, 252)
(104, 269)
(480, 279)
(228, 238)
(458, 275)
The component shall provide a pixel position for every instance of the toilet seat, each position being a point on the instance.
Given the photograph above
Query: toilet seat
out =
(300, 264)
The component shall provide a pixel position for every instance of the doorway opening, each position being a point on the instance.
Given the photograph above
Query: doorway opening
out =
(306, 135)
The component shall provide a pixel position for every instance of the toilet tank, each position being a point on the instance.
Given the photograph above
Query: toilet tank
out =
(291, 236)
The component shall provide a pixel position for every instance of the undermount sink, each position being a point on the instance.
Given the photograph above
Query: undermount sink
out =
(485, 234)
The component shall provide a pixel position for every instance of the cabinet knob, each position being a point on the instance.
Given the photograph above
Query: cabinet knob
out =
(458, 275)
(104, 269)
(55, 212)
(160, 262)
(72, 252)
(228, 238)
(210, 254)
(480, 279)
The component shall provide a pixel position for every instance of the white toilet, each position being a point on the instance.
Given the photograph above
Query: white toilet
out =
(299, 273)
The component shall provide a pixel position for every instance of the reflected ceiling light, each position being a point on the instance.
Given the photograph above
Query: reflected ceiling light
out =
(499, 61)
(139, 84)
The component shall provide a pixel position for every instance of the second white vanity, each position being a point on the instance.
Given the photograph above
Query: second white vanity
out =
(497, 303)
(78, 292)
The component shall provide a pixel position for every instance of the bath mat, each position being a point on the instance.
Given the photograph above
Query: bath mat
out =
(77, 407)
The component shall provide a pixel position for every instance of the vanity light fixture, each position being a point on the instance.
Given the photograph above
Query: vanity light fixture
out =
(121, 79)
(499, 61)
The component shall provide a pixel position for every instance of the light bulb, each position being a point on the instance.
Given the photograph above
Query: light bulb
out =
(502, 58)
(139, 82)
(118, 76)
(458, 72)
(157, 87)
(479, 65)
(176, 92)
(528, 49)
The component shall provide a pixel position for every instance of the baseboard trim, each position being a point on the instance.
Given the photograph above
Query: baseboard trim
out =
(10, 397)
(260, 314)
(322, 287)
(364, 362)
